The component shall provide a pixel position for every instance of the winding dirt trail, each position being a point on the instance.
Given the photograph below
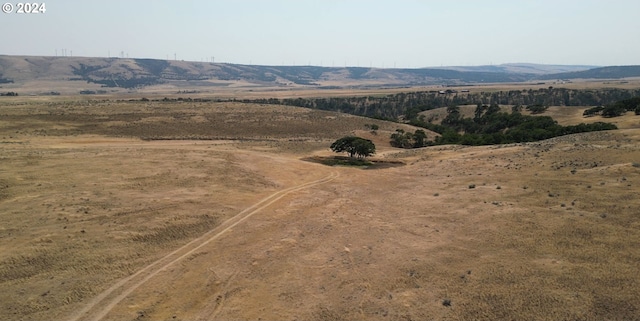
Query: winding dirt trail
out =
(101, 305)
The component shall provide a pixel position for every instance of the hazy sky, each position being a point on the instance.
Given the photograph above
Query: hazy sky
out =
(403, 33)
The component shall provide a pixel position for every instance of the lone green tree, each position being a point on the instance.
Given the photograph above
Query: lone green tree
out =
(354, 146)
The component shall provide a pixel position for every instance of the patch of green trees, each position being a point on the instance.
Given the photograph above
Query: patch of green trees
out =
(537, 109)
(404, 139)
(593, 111)
(616, 109)
(619, 108)
(490, 126)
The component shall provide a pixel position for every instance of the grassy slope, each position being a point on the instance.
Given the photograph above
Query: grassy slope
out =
(84, 202)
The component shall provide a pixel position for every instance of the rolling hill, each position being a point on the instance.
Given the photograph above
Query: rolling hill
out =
(611, 72)
(71, 74)
(523, 68)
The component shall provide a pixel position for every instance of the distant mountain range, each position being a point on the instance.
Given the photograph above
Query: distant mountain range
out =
(612, 72)
(524, 68)
(132, 74)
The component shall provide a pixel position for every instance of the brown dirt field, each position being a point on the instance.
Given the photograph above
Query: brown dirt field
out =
(216, 216)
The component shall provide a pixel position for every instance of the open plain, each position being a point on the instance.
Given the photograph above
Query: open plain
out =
(131, 210)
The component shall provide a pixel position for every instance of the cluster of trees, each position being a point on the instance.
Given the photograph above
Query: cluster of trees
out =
(593, 111)
(10, 93)
(354, 146)
(616, 109)
(491, 126)
(537, 109)
(404, 139)
(93, 92)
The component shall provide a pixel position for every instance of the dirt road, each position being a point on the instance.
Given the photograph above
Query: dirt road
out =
(98, 307)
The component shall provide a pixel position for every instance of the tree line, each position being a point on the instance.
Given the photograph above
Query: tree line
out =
(407, 106)
(616, 109)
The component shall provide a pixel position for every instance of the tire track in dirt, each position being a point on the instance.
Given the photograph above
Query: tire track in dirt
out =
(101, 305)
(211, 310)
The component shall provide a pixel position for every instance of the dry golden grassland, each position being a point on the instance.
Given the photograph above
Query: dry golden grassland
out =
(94, 192)
(246, 90)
